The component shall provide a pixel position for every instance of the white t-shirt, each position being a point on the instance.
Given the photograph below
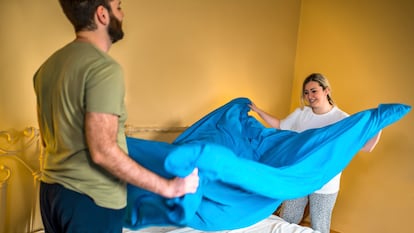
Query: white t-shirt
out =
(303, 119)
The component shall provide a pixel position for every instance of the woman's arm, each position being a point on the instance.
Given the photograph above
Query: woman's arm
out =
(269, 119)
(370, 145)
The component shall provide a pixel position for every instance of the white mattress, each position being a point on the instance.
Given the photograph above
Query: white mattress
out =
(272, 224)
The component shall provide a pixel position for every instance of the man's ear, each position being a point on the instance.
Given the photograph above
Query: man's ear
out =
(102, 15)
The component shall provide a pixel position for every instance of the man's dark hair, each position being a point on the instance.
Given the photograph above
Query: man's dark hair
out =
(81, 12)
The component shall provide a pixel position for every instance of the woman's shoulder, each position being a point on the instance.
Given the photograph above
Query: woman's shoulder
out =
(299, 111)
(304, 110)
(339, 112)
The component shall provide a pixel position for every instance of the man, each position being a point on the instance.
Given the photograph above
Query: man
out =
(81, 114)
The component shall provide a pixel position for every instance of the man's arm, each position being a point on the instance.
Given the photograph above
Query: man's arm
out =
(101, 135)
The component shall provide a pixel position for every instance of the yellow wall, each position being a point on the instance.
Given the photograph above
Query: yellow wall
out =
(366, 50)
(181, 58)
(184, 58)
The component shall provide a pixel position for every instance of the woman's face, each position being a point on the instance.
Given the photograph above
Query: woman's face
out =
(315, 95)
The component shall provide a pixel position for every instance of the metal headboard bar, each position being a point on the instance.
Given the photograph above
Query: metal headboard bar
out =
(32, 136)
(129, 129)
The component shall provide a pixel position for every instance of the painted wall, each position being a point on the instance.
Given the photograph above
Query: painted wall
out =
(184, 58)
(181, 58)
(366, 50)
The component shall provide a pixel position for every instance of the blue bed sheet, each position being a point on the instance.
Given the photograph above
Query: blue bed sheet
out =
(246, 169)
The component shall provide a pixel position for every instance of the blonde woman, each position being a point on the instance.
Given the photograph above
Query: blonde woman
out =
(318, 110)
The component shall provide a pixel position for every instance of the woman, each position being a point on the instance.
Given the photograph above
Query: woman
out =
(318, 110)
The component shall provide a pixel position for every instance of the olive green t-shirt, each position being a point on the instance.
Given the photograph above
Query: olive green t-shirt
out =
(79, 78)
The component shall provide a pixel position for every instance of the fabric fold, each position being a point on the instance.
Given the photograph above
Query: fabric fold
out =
(246, 170)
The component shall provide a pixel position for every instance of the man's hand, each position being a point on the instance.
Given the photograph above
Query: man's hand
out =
(181, 186)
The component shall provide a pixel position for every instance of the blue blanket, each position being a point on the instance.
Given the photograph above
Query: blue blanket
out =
(246, 170)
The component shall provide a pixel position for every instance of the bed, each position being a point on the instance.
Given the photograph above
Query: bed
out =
(251, 211)
(20, 152)
(272, 224)
(227, 144)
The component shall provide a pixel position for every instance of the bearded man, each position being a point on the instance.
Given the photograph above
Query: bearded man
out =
(81, 113)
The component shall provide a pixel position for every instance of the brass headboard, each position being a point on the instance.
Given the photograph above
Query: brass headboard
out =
(20, 155)
(166, 134)
(20, 152)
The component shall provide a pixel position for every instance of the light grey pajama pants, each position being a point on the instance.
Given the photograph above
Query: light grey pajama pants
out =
(320, 208)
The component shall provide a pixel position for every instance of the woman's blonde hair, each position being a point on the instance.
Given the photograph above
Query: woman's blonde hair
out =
(323, 82)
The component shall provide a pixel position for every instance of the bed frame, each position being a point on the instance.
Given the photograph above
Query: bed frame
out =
(20, 152)
(20, 156)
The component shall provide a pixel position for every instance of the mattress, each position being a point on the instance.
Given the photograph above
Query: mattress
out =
(272, 224)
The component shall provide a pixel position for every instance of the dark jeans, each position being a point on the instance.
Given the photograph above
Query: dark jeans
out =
(66, 211)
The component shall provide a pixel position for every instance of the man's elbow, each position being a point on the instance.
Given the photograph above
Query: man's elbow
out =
(97, 157)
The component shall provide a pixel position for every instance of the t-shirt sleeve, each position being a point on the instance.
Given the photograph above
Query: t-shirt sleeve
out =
(105, 89)
(289, 121)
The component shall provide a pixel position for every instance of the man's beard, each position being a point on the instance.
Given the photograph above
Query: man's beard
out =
(115, 29)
